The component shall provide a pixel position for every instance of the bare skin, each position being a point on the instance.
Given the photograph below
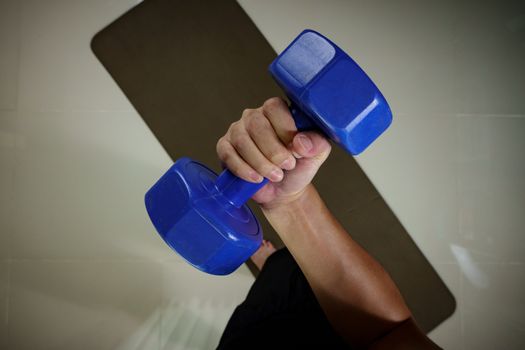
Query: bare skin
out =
(356, 294)
(265, 250)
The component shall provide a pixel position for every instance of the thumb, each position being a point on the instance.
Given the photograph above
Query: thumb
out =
(311, 144)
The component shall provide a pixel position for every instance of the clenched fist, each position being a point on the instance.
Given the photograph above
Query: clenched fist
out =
(265, 142)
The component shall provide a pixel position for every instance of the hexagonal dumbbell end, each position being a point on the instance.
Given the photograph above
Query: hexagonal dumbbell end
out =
(330, 92)
(195, 219)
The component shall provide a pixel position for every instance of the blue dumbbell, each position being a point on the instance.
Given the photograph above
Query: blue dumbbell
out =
(204, 218)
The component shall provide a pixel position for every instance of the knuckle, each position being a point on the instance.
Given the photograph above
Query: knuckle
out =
(272, 104)
(220, 142)
(246, 113)
(236, 125)
(225, 157)
(239, 140)
(222, 152)
(219, 146)
(233, 132)
(257, 122)
(233, 126)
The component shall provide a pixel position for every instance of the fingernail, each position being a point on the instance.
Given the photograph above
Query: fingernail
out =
(288, 164)
(297, 155)
(276, 175)
(255, 176)
(305, 142)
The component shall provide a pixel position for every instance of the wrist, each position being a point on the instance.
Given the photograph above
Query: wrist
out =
(291, 203)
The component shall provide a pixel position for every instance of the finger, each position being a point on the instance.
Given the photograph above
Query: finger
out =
(310, 144)
(262, 133)
(231, 159)
(248, 150)
(278, 113)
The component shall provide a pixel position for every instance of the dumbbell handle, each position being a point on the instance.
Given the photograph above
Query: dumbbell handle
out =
(238, 191)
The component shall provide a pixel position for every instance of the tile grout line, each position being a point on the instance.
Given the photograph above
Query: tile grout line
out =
(461, 315)
(11, 211)
(74, 110)
(15, 162)
(490, 115)
(161, 308)
(458, 114)
(8, 299)
(18, 55)
(459, 306)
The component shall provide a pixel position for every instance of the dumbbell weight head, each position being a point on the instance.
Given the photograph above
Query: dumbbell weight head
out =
(198, 222)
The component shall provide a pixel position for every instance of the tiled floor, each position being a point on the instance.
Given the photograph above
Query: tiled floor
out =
(79, 263)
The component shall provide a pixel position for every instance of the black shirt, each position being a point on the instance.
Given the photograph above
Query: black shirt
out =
(280, 311)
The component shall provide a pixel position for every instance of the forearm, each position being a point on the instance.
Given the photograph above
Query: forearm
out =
(356, 294)
(351, 287)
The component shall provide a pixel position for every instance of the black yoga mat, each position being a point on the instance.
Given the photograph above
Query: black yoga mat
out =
(191, 67)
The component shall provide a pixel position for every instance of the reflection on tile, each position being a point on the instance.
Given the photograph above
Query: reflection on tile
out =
(80, 185)
(491, 186)
(4, 275)
(470, 269)
(194, 324)
(58, 71)
(410, 57)
(448, 335)
(197, 306)
(9, 46)
(493, 316)
(412, 167)
(96, 305)
(7, 170)
(490, 53)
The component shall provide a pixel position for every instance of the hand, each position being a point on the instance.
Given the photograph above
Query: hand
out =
(265, 142)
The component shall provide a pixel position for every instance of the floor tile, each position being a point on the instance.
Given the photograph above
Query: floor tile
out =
(80, 184)
(411, 166)
(490, 49)
(4, 282)
(9, 47)
(58, 71)
(94, 305)
(7, 170)
(493, 314)
(491, 186)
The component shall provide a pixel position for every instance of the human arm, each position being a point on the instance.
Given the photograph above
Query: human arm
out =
(356, 294)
